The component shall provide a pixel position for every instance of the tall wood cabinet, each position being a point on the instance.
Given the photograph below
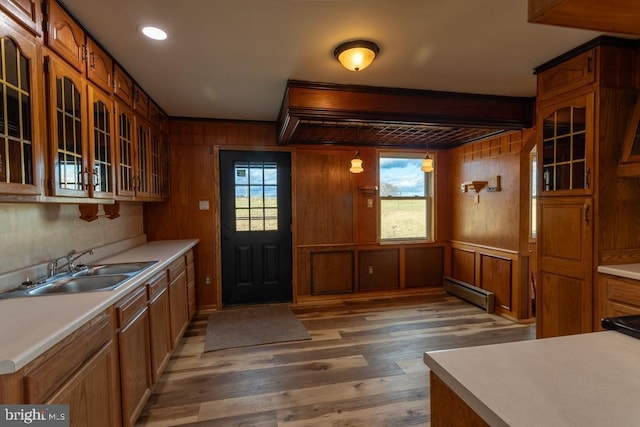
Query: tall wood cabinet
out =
(584, 103)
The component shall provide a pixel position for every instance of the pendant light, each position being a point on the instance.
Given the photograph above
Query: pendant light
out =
(427, 164)
(356, 164)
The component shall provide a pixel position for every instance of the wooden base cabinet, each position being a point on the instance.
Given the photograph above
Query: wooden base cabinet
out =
(159, 324)
(178, 299)
(133, 342)
(82, 372)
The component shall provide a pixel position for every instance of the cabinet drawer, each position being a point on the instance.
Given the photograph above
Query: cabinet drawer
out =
(175, 268)
(623, 291)
(128, 307)
(157, 285)
(51, 370)
(573, 73)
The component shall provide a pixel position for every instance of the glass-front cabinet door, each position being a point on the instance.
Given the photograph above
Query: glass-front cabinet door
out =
(19, 169)
(103, 182)
(125, 147)
(566, 150)
(143, 158)
(70, 174)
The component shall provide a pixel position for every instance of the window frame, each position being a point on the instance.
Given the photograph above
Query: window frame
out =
(429, 197)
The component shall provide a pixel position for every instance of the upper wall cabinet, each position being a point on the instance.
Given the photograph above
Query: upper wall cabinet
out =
(20, 92)
(612, 16)
(573, 73)
(123, 86)
(67, 38)
(25, 12)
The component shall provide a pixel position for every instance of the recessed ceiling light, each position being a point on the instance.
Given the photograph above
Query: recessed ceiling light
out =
(154, 33)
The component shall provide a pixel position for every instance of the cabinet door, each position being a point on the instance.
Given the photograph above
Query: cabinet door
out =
(99, 66)
(123, 87)
(178, 304)
(125, 152)
(160, 333)
(565, 149)
(140, 102)
(135, 374)
(155, 164)
(68, 110)
(65, 37)
(102, 154)
(20, 154)
(565, 289)
(25, 12)
(92, 393)
(573, 73)
(143, 158)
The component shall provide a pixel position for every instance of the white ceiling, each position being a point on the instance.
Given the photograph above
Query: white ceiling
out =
(231, 59)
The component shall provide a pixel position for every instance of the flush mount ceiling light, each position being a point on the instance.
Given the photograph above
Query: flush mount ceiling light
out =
(356, 55)
(427, 164)
(154, 33)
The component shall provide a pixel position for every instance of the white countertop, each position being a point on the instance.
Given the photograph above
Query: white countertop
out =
(578, 380)
(31, 325)
(630, 271)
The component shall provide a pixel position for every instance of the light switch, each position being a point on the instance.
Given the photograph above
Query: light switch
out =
(369, 203)
(203, 205)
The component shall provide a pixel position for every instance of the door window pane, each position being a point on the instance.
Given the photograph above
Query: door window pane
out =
(256, 191)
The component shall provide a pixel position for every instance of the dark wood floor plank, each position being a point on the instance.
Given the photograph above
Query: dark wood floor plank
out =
(362, 367)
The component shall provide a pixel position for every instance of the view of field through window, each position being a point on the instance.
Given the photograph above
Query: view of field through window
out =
(405, 198)
(256, 196)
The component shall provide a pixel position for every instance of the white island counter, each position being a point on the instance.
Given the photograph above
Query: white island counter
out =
(579, 380)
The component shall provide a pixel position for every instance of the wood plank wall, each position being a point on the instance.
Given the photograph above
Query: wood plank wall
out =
(335, 227)
(490, 245)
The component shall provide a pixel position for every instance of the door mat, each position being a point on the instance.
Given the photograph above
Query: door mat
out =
(243, 327)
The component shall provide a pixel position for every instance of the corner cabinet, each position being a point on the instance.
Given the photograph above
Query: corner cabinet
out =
(585, 211)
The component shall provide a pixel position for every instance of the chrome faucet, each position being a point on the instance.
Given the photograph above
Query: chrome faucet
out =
(52, 266)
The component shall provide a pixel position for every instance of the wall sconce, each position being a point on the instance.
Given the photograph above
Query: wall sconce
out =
(356, 164)
(427, 164)
(356, 55)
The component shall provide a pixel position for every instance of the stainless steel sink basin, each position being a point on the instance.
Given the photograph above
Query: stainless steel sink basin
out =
(119, 268)
(98, 277)
(80, 284)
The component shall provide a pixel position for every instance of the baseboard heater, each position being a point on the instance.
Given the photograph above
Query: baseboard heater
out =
(475, 295)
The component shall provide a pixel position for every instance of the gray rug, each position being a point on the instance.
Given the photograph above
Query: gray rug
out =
(242, 327)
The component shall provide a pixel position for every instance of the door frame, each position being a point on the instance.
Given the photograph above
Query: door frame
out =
(218, 227)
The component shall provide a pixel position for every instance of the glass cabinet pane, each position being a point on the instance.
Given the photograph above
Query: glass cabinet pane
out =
(564, 149)
(125, 163)
(103, 157)
(16, 145)
(69, 117)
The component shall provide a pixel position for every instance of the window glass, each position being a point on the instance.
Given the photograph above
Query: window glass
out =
(406, 198)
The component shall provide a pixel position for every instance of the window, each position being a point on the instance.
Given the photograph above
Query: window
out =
(256, 200)
(406, 198)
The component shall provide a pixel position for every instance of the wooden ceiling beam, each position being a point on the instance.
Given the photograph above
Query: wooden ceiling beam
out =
(367, 104)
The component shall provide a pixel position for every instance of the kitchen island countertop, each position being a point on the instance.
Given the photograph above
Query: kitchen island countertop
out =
(31, 325)
(579, 380)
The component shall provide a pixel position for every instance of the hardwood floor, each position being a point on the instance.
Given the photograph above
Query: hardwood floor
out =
(363, 367)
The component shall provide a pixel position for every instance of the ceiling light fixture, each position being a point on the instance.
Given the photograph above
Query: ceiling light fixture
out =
(154, 33)
(356, 55)
(427, 164)
(356, 164)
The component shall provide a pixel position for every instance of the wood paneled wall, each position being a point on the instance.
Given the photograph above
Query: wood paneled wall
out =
(490, 230)
(193, 177)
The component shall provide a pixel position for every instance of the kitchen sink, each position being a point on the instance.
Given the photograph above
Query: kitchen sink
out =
(97, 277)
(120, 268)
(80, 284)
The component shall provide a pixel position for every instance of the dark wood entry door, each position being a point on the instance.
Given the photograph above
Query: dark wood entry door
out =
(255, 211)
